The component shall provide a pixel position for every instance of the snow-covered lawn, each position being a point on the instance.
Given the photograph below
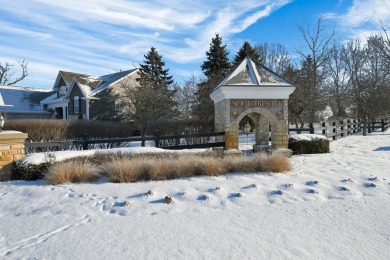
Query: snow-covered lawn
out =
(331, 206)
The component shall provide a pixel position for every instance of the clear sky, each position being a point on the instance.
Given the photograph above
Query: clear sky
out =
(104, 36)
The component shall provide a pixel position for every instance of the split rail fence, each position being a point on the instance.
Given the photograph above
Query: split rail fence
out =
(172, 142)
(332, 131)
(343, 128)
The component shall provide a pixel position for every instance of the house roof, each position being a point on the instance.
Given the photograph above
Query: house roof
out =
(89, 85)
(249, 73)
(110, 79)
(22, 99)
(105, 81)
(250, 80)
(85, 79)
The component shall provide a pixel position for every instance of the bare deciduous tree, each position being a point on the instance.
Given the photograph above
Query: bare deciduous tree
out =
(274, 56)
(337, 87)
(318, 45)
(144, 103)
(7, 72)
(185, 97)
(386, 44)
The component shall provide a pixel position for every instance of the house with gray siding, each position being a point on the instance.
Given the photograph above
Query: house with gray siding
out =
(73, 96)
(82, 96)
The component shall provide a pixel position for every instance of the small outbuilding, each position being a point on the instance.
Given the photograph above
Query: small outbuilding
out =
(255, 91)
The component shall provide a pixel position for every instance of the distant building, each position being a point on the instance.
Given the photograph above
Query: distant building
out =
(18, 103)
(74, 96)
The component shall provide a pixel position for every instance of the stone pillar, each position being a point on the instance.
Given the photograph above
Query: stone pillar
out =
(11, 149)
(280, 136)
(262, 131)
(231, 139)
(231, 144)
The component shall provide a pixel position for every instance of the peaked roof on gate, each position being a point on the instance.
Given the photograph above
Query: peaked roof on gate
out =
(249, 73)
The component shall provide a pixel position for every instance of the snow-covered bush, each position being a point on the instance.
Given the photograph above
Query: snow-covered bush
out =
(29, 172)
(308, 144)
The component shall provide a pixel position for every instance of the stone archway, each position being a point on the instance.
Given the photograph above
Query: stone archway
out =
(255, 91)
(262, 118)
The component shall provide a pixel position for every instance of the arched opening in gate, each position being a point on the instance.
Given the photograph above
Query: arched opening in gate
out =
(263, 122)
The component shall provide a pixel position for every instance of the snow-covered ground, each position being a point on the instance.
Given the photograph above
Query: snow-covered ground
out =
(331, 206)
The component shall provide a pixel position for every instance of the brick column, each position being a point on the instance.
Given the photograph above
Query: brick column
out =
(11, 149)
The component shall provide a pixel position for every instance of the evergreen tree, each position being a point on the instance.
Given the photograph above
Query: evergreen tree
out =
(215, 68)
(153, 69)
(246, 50)
(217, 64)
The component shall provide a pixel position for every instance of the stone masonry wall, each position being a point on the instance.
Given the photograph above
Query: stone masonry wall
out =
(11, 149)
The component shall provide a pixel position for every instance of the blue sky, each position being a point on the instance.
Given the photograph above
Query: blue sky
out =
(100, 37)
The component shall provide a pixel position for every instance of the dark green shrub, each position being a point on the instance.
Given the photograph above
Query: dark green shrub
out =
(29, 172)
(309, 147)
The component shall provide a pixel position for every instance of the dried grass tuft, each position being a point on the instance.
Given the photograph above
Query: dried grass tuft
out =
(139, 168)
(72, 171)
(187, 166)
(212, 166)
(162, 170)
(274, 163)
(121, 170)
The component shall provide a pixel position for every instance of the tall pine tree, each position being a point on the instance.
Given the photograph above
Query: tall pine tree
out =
(153, 97)
(215, 68)
(246, 50)
(217, 64)
(153, 69)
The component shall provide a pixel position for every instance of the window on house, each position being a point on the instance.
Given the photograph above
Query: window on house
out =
(76, 104)
(118, 105)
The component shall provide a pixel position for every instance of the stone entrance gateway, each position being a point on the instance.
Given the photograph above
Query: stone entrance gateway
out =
(255, 91)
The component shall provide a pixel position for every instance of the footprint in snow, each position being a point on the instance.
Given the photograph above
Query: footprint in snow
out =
(287, 186)
(276, 192)
(311, 191)
(343, 189)
(373, 179)
(139, 195)
(204, 197)
(370, 185)
(236, 195)
(312, 183)
(347, 180)
(252, 186)
(214, 189)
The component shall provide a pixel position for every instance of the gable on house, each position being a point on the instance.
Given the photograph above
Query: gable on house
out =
(75, 93)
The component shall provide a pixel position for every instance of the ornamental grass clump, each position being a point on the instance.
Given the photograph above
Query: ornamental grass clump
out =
(212, 167)
(162, 169)
(273, 163)
(122, 170)
(140, 168)
(240, 164)
(72, 171)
